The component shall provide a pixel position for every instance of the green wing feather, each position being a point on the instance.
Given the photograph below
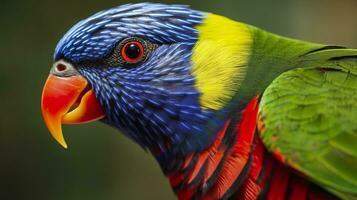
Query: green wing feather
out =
(309, 116)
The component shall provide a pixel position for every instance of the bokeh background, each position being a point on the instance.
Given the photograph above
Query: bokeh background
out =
(101, 163)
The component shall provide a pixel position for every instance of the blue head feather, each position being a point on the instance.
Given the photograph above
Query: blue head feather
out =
(155, 103)
(96, 36)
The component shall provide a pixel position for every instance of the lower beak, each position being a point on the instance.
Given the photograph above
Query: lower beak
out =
(59, 95)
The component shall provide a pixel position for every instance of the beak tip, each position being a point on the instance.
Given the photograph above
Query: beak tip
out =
(61, 141)
(64, 145)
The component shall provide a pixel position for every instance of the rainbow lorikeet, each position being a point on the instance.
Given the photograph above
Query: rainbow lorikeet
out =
(229, 111)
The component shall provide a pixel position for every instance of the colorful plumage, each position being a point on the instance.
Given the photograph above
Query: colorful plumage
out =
(228, 110)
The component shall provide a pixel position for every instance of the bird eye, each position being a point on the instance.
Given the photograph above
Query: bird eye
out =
(132, 52)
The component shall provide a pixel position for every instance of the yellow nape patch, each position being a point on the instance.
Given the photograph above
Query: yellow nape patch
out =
(219, 59)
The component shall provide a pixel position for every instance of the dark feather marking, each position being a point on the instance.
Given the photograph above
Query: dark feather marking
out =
(339, 58)
(322, 49)
(265, 188)
(228, 140)
(325, 69)
(262, 174)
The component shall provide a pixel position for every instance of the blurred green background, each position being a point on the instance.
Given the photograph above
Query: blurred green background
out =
(100, 163)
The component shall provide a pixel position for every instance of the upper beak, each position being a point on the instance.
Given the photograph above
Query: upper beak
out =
(63, 90)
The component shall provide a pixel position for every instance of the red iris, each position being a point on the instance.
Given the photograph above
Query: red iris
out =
(132, 52)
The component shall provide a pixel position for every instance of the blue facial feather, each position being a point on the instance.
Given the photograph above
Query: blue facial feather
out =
(155, 103)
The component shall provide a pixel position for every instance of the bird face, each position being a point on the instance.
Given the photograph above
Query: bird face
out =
(129, 66)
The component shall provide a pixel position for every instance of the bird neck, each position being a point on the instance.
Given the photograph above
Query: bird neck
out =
(219, 170)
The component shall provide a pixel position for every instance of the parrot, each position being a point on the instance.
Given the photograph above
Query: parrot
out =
(228, 110)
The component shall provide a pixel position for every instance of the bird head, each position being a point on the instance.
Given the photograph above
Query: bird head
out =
(161, 74)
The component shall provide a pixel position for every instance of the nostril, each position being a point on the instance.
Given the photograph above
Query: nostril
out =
(61, 67)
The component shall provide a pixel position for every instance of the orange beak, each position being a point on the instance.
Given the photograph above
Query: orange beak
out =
(59, 95)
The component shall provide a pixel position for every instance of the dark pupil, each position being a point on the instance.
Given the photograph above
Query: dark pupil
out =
(132, 51)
